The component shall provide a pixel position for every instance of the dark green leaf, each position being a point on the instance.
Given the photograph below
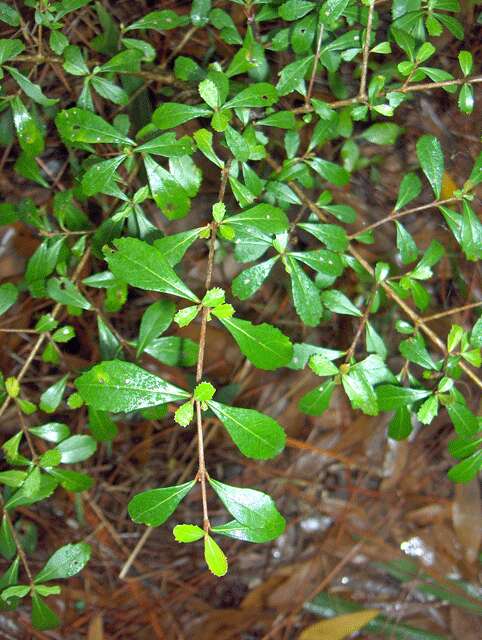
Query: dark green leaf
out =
(430, 156)
(80, 125)
(156, 320)
(172, 114)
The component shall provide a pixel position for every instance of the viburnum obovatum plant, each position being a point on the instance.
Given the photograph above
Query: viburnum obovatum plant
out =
(279, 108)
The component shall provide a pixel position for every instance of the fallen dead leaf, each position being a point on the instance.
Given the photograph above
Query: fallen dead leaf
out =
(339, 627)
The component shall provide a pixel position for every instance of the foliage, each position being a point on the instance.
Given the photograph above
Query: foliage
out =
(268, 131)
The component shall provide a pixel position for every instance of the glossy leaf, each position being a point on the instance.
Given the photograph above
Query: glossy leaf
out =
(154, 507)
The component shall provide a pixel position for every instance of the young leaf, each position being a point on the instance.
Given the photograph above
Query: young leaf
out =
(215, 558)
(119, 386)
(187, 533)
(430, 156)
(256, 435)
(254, 509)
(142, 265)
(65, 563)
(264, 345)
(154, 507)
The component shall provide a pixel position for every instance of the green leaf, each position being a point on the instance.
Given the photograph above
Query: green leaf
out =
(204, 391)
(245, 284)
(10, 49)
(317, 401)
(382, 133)
(168, 146)
(174, 351)
(76, 449)
(52, 396)
(337, 302)
(16, 591)
(119, 386)
(391, 397)
(410, 188)
(258, 95)
(414, 350)
(8, 296)
(331, 172)
(65, 563)
(172, 114)
(264, 345)
(428, 410)
(360, 392)
(254, 509)
(238, 531)
(74, 62)
(265, 217)
(374, 342)
(173, 247)
(43, 618)
(142, 265)
(464, 421)
(430, 156)
(80, 125)
(102, 427)
(406, 244)
(471, 233)
(306, 296)
(29, 135)
(155, 320)
(51, 432)
(187, 533)
(467, 470)
(400, 426)
(160, 21)
(32, 90)
(204, 142)
(109, 90)
(331, 235)
(321, 366)
(66, 292)
(154, 507)
(184, 414)
(321, 260)
(169, 195)
(256, 435)
(291, 77)
(9, 15)
(215, 558)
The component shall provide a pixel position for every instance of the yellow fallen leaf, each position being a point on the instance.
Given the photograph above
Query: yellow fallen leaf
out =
(339, 627)
(448, 186)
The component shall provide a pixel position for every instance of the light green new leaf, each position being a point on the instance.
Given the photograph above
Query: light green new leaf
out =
(65, 563)
(264, 345)
(256, 435)
(254, 509)
(306, 296)
(391, 397)
(215, 558)
(80, 125)
(154, 507)
(430, 156)
(8, 296)
(338, 302)
(172, 114)
(142, 265)
(250, 280)
(321, 366)
(119, 386)
(187, 533)
(258, 95)
(155, 320)
(410, 188)
(265, 217)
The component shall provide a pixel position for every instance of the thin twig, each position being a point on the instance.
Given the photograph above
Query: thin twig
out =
(362, 92)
